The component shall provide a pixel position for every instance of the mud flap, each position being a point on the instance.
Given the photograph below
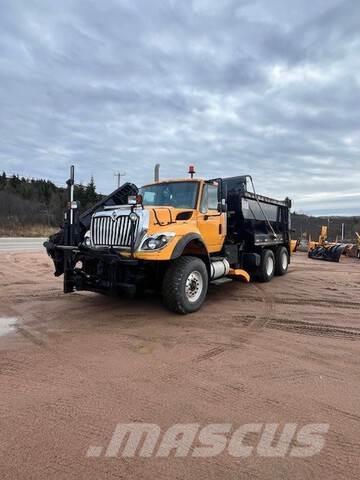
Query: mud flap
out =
(239, 274)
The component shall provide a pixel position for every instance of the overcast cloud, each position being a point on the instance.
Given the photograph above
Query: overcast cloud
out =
(267, 88)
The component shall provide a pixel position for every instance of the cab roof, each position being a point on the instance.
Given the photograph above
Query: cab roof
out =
(175, 180)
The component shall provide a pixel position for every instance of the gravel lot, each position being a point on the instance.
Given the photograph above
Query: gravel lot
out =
(73, 367)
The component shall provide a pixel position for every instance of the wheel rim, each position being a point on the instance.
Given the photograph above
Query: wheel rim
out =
(270, 266)
(284, 261)
(194, 286)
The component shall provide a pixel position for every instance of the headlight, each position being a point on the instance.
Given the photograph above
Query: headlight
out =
(87, 239)
(133, 217)
(157, 241)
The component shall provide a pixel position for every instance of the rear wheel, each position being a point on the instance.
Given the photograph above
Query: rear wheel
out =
(185, 285)
(267, 267)
(281, 261)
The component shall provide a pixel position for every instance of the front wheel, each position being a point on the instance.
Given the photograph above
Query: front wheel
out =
(185, 285)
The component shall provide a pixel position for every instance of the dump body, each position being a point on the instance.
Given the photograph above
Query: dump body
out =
(255, 220)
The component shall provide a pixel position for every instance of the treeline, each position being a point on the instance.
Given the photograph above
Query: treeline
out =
(26, 201)
(306, 226)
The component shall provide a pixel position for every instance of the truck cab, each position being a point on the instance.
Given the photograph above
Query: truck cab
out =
(168, 217)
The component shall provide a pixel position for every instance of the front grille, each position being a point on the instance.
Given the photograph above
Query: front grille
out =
(112, 232)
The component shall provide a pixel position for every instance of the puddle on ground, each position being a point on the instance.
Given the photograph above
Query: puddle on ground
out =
(7, 325)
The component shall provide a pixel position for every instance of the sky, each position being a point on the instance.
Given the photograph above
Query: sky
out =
(265, 88)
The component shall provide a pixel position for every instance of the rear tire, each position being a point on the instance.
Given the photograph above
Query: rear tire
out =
(185, 285)
(281, 261)
(266, 270)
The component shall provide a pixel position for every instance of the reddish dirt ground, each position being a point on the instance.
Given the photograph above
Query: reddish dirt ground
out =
(74, 366)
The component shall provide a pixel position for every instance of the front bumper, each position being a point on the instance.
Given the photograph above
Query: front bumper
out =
(101, 270)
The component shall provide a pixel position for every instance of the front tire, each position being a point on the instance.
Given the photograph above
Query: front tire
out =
(185, 285)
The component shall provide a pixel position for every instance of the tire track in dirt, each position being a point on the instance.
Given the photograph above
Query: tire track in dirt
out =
(318, 303)
(249, 328)
(269, 309)
(214, 352)
(308, 328)
(31, 336)
(132, 361)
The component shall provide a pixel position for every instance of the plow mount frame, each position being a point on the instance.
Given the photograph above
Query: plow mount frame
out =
(63, 245)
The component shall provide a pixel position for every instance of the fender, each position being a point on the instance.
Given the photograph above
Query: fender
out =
(181, 245)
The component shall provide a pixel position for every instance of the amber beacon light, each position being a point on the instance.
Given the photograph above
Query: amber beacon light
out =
(191, 171)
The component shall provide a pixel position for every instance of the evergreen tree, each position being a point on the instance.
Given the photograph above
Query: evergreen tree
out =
(15, 182)
(80, 194)
(3, 180)
(29, 201)
(90, 192)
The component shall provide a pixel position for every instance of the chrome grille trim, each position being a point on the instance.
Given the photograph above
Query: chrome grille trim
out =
(106, 231)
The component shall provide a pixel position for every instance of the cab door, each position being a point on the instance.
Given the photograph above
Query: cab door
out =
(211, 223)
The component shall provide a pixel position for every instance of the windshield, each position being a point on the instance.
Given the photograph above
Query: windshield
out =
(176, 194)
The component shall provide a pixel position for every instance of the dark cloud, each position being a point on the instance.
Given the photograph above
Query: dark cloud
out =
(266, 88)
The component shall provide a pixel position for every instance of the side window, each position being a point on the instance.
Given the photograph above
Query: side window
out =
(212, 197)
(209, 199)
(204, 200)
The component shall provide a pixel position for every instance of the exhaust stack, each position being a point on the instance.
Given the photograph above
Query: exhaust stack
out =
(157, 172)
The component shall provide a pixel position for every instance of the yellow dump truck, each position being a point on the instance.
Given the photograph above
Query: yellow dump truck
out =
(174, 236)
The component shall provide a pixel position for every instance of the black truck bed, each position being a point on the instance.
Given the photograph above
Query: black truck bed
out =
(255, 219)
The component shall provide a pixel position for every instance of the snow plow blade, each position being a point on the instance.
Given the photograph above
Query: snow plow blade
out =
(328, 253)
(75, 225)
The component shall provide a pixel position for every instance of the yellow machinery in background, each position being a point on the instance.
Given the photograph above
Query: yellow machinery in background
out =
(294, 244)
(322, 239)
(357, 253)
(328, 251)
